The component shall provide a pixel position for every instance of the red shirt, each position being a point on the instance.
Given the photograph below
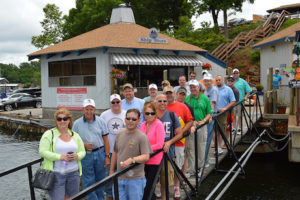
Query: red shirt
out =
(184, 115)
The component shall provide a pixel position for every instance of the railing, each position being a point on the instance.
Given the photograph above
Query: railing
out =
(191, 190)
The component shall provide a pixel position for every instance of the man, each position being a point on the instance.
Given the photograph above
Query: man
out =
(186, 121)
(226, 100)
(115, 121)
(203, 112)
(213, 95)
(244, 91)
(130, 100)
(92, 129)
(152, 91)
(276, 79)
(205, 72)
(230, 83)
(173, 133)
(193, 75)
(182, 83)
(131, 146)
(164, 83)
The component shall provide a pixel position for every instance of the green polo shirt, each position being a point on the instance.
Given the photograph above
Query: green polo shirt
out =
(201, 106)
(243, 87)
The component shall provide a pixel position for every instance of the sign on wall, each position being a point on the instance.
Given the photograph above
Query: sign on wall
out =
(153, 38)
(70, 98)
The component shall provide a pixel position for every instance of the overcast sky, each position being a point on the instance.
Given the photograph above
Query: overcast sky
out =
(20, 20)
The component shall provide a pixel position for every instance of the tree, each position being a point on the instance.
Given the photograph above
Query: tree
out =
(52, 25)
(212, 6)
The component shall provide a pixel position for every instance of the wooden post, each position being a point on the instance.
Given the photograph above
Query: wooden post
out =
(269, 87)
(274, 98)
(229, 71)
(292, 104)
(266, 110)
(165, 74)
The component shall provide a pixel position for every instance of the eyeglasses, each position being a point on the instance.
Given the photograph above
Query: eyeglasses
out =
(60, 119)
(150, 113)
(235, 73)
(113, 102)
(230, 80)
(160, 101)
(131, 118)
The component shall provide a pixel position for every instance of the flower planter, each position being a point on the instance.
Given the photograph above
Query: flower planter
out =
(281, 109)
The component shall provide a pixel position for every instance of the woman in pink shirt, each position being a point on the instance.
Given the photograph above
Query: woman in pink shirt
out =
(155, 131)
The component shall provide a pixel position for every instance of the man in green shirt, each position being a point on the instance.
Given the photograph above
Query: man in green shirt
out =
(203, 112)
(244, 90)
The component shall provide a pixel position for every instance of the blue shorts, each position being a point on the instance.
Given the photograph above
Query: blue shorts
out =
(131, 189)
(65, 184)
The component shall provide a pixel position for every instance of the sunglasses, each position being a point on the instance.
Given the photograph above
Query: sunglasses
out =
(60, 119)
(230, 80)
(131, 118)
(160, 101)
(113, 102)
(150, 113)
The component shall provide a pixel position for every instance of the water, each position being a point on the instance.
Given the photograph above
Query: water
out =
(15, 152)
(269, 176)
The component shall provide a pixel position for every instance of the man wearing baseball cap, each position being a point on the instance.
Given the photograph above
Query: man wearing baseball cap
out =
(244, 91)
(130, 100)
(203, 112)
(276, 79)
(93, 131)
(115, 121)
(152, 91)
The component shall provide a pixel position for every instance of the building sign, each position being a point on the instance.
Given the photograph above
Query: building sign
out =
(153, 38)
(294, 84)
(70, 98)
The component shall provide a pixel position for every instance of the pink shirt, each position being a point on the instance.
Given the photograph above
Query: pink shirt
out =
(156, 136)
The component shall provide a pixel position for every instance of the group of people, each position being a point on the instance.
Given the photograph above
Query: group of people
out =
(133, 128)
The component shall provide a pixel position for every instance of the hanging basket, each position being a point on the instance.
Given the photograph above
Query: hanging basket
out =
(206, 66)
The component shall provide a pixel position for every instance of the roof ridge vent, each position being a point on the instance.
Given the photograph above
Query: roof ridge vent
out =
(122, 14)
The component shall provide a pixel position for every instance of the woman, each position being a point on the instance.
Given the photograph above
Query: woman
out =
(62, 151)
(154, 129)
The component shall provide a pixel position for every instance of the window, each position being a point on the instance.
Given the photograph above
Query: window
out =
(80, 72)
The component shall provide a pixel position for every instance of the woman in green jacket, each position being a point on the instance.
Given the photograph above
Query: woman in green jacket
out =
(63, 150)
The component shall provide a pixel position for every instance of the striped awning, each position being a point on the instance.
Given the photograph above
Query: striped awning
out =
(133, 59)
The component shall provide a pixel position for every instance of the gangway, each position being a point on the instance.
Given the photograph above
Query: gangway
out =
(191, 186)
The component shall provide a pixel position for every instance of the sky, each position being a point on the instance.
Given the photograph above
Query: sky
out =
(20, 20)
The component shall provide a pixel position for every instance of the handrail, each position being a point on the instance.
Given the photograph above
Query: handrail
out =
(20, 167)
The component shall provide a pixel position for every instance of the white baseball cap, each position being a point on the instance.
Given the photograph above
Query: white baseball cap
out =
(236, 70)
(89, 102)
(194, 82)
(277, 69)
(114, 96)
(207, 76)
(204, 72)
(153, 85)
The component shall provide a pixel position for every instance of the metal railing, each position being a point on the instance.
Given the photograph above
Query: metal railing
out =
(193, 190)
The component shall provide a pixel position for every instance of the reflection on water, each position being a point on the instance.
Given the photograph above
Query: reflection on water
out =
(269, 176)
(15, 152)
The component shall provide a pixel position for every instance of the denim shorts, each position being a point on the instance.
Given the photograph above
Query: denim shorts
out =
(65, 184)
(131, 189)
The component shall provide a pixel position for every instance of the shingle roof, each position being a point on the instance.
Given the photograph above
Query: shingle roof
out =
(116, 35)
(289, 33)
(285, 7)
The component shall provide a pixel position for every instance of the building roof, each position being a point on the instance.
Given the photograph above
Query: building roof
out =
(284, 35)
(116, 35)
(290, 7)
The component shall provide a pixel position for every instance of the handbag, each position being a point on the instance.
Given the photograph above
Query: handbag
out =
(44, 179)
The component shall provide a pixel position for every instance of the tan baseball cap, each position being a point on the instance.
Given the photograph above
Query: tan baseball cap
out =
(168, 89)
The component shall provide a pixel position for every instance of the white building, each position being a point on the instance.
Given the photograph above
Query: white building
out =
(80, 67)
(276, 51)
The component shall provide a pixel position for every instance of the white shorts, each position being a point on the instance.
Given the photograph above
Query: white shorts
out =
(179, 153)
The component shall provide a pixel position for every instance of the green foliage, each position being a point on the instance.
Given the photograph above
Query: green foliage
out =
(288, 23)
(259, 87)
(52, 27)
(29, 74)
(255, 57)
(234, 31)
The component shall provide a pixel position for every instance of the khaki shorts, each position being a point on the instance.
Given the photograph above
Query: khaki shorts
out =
(170, 175)
(179, 153)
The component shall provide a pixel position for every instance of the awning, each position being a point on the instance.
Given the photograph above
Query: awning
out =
(133, 59)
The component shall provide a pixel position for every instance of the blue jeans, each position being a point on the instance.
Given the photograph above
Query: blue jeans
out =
(92, 172)
(131, 189)
(64, 184)
(210, 127)
(108, 186)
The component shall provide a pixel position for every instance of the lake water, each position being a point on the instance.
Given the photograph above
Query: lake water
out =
(268, 176)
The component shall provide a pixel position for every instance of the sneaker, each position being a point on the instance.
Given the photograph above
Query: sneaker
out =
(206, 165)
(187, 175)
(220, 151)
(158, 194)
(239, 131)
(176, 192)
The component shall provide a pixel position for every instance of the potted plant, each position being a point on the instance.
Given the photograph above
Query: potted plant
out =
(206, 66)
(259, 88)
(281, 106)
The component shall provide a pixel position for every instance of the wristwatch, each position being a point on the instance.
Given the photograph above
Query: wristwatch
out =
(133, 161)
(107, 155)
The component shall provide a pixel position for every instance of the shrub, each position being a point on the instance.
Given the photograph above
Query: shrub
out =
(259, 87)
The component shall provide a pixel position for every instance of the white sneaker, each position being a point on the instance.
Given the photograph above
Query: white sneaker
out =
(176, 192)
(220, 151)
(158, 194)
(187, 175)
(239, 131)
(206, 165)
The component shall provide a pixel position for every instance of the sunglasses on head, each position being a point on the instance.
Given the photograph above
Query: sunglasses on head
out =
(160, 101)
(60, 119)
(113, 102)
(131, 118)
(150, 113)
